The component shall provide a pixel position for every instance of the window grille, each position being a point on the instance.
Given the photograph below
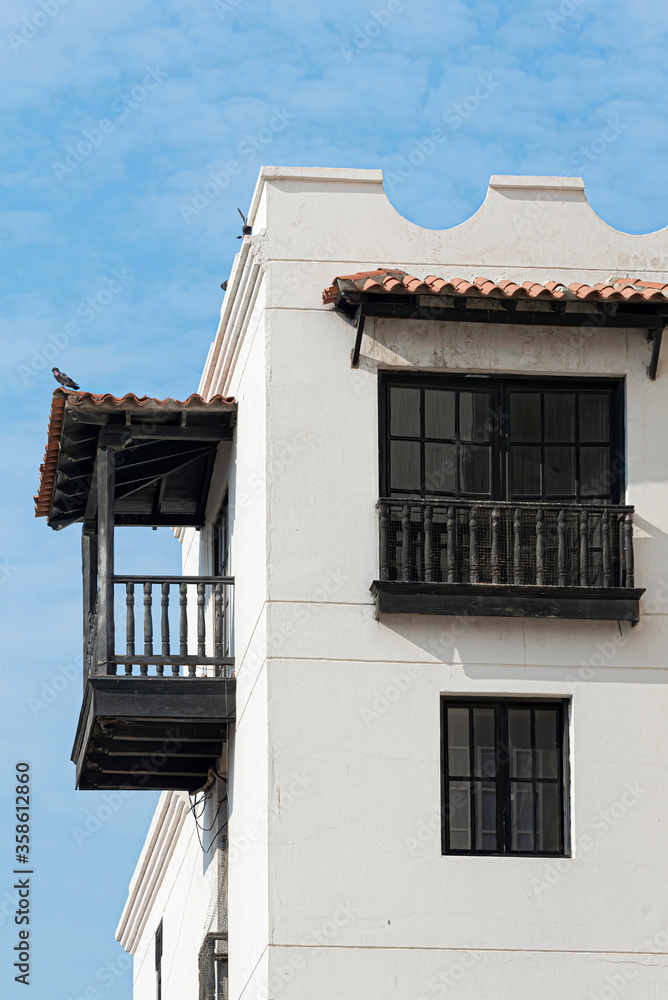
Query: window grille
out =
(213, 967)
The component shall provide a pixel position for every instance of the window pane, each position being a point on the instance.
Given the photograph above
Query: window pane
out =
(484, 743)
(459, 815)
(525, 416)
(546, 743)
(458, 742)
(595, 416)
(560, 417)
(440, 468)
(439, 413)
(595, 477)
(559, 471)
(404, 412)
(519, 736)
(474, 462)
(474, 416)
(485, 816)
(521, 816)
(524, 471)
(548, 817)
(405, 465)
(502, 786)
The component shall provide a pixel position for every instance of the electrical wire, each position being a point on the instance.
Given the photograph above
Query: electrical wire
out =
(193, 805)
(202, 829)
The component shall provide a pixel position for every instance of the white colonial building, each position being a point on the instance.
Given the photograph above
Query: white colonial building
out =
(433, 723)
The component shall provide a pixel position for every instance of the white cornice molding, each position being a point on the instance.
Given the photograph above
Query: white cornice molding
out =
(242, 288)
(151, 869)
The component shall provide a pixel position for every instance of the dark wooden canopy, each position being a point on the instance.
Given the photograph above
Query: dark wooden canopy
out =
(165, 452)
(386, 293)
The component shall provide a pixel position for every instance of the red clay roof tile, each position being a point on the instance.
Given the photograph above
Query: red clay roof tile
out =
(395, 281)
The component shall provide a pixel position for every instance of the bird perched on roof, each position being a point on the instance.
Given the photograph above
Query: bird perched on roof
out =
(64, 379)
(245, 229)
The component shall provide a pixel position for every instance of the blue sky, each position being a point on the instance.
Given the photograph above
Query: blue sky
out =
(114, 115)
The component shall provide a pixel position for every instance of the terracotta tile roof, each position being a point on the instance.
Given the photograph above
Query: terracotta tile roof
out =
(384, 280)
(91, 400)
(130, 401)
(49, 467)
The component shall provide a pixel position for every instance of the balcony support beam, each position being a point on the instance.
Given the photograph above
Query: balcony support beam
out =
(507, 601)
(359, 331)
(654, 337)
(89, 572)
(105, 474)
(145, 732)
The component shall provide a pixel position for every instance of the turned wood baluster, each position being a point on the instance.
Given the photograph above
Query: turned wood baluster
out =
(584, 549)
(129, 625)
(384, 522)
(405, 543)
(219, 624)
(148, 627)
(452, 555)
(562, 568)
(496, 576)
(629, 574)
(164, 626)
(201, 626)
(517, 547)
(605, 543)
(183, 625)
(428, 551)
(540, 547)
(473, 545)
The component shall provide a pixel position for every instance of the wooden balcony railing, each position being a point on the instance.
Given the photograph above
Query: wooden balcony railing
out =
(186, 627)
(516, 544)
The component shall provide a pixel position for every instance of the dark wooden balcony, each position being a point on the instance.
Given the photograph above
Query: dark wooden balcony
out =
(545, 560)
(156, 708)
(156, 705)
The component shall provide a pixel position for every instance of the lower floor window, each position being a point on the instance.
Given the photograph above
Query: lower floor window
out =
(505, 777)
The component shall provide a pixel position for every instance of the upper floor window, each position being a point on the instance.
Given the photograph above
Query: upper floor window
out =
(158, 962)
(220, 544)
(505, 777)
(511, 439)
(221, 567)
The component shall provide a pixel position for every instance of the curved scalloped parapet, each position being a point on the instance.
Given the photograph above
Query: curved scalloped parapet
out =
(541, 228)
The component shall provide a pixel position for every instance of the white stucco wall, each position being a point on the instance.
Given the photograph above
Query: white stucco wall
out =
(338, 888)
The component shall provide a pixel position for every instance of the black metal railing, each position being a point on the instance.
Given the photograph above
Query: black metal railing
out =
(517, 544)
(190, 635)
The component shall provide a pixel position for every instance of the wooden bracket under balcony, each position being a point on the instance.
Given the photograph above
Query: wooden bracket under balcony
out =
(151, 733)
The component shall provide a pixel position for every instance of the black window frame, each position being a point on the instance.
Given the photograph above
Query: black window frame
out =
(158, 962)
(220, 541)
(501, 707)
(220, 565)
(500, 388)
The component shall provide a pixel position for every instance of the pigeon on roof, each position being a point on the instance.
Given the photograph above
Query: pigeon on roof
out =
(246, 229)
(64, 379)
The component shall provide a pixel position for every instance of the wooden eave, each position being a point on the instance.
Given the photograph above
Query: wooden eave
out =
(165, 455)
